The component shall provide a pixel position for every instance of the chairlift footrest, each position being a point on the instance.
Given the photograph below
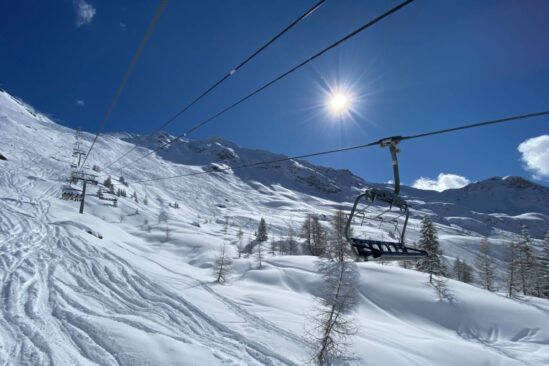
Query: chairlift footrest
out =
(385, 251)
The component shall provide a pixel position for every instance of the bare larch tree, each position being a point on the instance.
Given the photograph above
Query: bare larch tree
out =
(222, 265)
(485, 266)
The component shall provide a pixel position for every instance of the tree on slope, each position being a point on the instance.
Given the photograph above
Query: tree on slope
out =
(485, 266)
(434, 264)
(462, 271)
(108, 184)
(314, 234)
(259, 254)
(222, 265)
(513, 284)
(261, 237)
(339, 248)
(527, 264)
(291, 246)
(275, 247)
(332, 325)
(261, 233)
(162, 216)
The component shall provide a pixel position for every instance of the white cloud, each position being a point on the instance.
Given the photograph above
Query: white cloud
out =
(84, 12)
(443, 182)
(535, 155)
(123, 27)
(81, 102)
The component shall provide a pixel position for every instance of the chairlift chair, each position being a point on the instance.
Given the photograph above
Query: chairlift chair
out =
(384, 250)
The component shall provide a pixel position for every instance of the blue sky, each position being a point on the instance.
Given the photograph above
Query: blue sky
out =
(435, 64)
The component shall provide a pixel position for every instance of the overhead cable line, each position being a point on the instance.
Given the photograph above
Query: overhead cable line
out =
(475, 125)
(355, 147)
(128, 73)
(228, 75)
(293, 69)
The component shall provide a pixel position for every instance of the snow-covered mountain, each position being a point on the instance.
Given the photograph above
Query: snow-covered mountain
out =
(143, 294)
(496, 203)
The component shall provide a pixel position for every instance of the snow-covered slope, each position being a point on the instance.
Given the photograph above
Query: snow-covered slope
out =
(133, 297)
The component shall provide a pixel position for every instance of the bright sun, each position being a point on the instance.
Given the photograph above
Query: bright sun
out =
(339, 103)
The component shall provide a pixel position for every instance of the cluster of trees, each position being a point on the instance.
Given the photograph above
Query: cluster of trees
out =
(108, 184)
(527, 271)
(332, 324)
(325, 241)
(120, 192)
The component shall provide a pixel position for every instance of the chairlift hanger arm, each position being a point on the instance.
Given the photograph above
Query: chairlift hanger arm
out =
(392, 143)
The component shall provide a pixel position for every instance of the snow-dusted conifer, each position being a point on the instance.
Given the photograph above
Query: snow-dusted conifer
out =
(261, 233)
(260, 237)
(434, 264)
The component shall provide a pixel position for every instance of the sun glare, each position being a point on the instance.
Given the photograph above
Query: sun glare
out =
(339, 103)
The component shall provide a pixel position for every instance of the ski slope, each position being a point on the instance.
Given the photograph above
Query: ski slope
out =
(135, 298)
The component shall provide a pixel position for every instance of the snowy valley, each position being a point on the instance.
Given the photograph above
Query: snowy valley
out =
(144, 293)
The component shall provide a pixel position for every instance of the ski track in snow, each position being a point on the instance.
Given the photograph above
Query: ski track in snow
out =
(48, 278)
(236, 308)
